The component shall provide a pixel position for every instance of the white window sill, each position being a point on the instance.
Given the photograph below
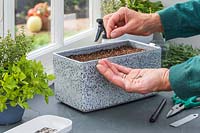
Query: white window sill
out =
(52, 47)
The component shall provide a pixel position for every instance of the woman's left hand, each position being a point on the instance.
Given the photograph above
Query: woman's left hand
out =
(135, 80)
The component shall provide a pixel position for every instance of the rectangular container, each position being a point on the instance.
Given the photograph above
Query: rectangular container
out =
(81, 86)
(59, 124)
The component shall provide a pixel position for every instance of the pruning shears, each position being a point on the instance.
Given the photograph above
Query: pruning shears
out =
(180, 104)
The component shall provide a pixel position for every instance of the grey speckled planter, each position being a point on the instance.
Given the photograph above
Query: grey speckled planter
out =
(79, 84)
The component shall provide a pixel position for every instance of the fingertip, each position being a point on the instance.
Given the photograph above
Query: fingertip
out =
(108, 33)
(100, 68)
(113, 35)
(110, 27)
(107, 61)
(102, 61)
(118, 32)
(108, 36)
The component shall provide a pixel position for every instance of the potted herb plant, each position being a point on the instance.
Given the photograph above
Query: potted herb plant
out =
(20, 79)
(79, 84)
(174, 54)
(144, 6)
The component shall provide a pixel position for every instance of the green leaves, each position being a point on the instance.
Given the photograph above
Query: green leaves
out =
(51, 77)
(144, 6)
(11, 50)
(177, 53)
(110, 6)
(21, 81)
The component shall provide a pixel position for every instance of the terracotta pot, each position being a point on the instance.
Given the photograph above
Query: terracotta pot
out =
(45, 23)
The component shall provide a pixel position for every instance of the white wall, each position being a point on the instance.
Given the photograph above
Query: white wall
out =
(195, 41)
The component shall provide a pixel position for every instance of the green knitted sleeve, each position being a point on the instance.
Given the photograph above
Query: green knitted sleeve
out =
(181, 20)
(185, 78)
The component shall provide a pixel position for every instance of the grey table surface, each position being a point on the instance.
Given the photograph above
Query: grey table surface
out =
(132, 117)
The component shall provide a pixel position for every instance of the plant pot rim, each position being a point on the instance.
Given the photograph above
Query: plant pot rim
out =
(59, 53)
(7, 103)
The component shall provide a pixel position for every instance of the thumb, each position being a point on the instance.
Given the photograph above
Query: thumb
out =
(118, 32)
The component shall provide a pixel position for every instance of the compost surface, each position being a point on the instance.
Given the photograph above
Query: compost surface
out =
(105, 53)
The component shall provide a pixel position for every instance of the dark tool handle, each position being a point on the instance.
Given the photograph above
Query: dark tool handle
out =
(101, 29)
(157, 111)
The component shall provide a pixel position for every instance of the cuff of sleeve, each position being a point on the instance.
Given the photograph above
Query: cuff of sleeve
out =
(184, 78)
(168, 19)
(177, 78)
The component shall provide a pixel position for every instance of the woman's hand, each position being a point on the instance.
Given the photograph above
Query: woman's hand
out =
(131, 22)
(135, 80)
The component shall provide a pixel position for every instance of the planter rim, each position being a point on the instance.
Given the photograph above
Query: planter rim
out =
(103, 44)
(7, 103)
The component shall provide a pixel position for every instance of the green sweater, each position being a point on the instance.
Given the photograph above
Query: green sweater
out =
(183, 20)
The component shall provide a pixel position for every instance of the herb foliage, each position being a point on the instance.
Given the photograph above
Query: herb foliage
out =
(177, 53)
(11, 50)
(144, 6)
(20, 79)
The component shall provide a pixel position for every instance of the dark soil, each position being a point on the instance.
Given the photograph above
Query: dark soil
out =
(105, 53)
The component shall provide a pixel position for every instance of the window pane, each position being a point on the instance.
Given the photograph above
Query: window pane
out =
(76, 16)
(34, 16)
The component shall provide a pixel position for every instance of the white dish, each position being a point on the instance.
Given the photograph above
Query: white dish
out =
(62, 125)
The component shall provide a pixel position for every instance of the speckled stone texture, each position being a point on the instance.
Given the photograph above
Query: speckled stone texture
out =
(81, 86)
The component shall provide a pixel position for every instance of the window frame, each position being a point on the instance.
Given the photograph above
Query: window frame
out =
(57, 24)
(9, 17)
(1, 17)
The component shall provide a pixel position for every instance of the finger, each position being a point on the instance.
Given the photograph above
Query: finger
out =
(113, 68)
(106, 18)
(110, 76)
(118, 32)
(120, 24)
(113, 21)
(104, 70)
(102, 62)
(122, 69)
(119, 81)
(119, 68)
(105, 22)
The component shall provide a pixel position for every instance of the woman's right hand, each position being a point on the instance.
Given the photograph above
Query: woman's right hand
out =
(131, 22)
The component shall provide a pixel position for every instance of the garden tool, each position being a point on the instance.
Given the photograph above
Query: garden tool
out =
(101, 30)
(180, 104)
